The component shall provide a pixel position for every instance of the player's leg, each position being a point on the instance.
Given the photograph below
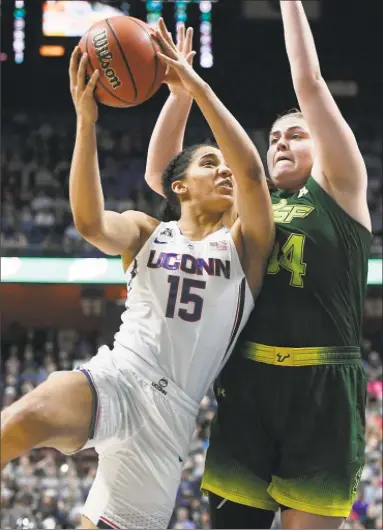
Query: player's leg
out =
(137, 477)
(227, 514)
(322, 454)
(86, 523)
(141, 436)
(241, 449)
(308, 521)
(56, 414)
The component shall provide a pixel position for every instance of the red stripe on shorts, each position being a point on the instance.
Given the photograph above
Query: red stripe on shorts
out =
(107, 521)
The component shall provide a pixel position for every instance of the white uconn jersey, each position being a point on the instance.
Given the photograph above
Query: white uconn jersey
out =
(187, 303)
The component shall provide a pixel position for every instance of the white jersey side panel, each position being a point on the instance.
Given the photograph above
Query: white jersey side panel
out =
(187, 303)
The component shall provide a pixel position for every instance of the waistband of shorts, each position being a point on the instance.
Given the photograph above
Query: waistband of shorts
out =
(285, 356)
(154, 376)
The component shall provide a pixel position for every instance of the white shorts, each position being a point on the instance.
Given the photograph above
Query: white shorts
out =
(141, 428)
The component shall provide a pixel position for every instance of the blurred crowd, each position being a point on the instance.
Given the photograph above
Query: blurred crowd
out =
(45, 489)
(35, 161)
(36, 218)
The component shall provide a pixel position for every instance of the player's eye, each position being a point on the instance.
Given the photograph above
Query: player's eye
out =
(208, 163)
(273, 140)
(296, 136)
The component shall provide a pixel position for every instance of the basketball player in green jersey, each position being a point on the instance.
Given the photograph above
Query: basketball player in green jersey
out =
(290, 426)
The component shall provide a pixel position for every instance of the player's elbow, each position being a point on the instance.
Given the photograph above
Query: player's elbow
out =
(308, 82)
(88, 229)
(154, 181)
(149, 180)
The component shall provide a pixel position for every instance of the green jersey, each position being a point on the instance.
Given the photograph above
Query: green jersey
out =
(297, 371)
(315, 283)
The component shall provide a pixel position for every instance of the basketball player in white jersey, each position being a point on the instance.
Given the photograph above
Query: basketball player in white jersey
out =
(191, 287)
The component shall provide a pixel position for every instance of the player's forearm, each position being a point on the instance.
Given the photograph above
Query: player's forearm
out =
(238, 150)
(300, 46)
(167, 138)
(85, 191)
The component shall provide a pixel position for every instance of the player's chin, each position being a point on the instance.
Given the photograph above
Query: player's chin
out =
(225, 202)
(283, 178)
(225, 192)
(227, 199)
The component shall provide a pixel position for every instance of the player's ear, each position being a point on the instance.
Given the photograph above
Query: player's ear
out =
(179, 187)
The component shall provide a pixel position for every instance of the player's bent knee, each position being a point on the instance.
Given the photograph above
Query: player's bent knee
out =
(55, 375)
(55, 414)
(23, 427)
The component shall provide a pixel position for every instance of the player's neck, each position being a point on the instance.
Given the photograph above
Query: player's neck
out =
(197, 226)
(290, 184)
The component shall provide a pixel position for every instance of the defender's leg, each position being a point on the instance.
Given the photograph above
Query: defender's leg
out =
(322, 453)
(296, 519)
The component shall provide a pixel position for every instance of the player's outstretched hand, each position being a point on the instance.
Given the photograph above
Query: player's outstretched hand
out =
(82, 92)
(177, 61)
(184, 46)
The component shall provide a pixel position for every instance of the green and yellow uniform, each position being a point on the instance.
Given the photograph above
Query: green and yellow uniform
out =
(291, 400)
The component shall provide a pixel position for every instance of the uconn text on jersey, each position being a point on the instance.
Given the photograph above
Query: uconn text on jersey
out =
(189, 264)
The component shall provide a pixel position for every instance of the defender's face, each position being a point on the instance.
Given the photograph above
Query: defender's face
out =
(290, 156)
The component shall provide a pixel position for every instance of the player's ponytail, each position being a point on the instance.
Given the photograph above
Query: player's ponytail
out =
(176, 170)
(168, 212)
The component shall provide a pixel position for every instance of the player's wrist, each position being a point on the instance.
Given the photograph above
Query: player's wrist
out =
(180, 95)
(86, 122)
(199, 89)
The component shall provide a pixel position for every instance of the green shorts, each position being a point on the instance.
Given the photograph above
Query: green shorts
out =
(290, 429)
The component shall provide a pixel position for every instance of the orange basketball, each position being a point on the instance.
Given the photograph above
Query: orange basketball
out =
(124, 52)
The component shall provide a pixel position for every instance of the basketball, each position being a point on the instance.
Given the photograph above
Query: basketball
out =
(124, 52)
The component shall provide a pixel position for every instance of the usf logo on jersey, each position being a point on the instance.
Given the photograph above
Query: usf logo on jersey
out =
(303, 191)
(285, 213)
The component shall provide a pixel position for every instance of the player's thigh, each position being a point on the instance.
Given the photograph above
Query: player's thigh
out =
(57, 413)
(241, 450)
(136, 484)
(326, 426)
(295, 519)
(322, 453)
(227, 514)
(242, 426)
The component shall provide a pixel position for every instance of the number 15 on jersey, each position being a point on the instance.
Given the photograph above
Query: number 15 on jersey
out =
(192, 302)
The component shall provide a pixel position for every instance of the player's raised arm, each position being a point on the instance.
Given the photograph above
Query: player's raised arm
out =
(253, 199)
(168, 134)
(340, 161)
(111, 232)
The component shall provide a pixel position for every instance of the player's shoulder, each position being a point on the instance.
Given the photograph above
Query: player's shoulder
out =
(146, 226)
(145, 222)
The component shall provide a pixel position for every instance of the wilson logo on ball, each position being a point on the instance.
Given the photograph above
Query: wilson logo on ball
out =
(101, 45)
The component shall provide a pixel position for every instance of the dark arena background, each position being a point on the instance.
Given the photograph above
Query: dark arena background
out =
(61, 298)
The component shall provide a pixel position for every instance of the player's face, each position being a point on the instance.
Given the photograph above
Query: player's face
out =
(209, 181)
(290, 156)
